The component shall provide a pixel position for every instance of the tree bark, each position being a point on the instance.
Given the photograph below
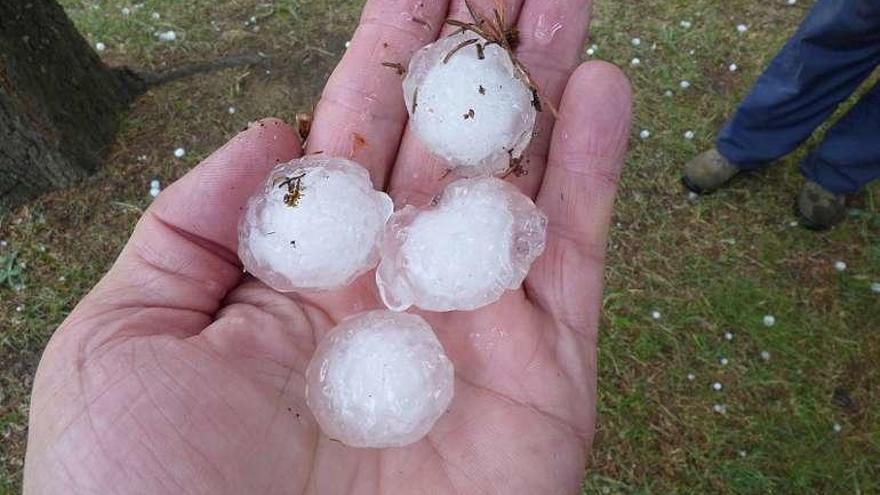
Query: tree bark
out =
(60, 106)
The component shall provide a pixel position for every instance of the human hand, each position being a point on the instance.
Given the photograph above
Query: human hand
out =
(177, 374)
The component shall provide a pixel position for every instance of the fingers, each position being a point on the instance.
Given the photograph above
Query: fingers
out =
(361, 114)
(182, 252)
(586, 157)
(508, 10)
(552, 35)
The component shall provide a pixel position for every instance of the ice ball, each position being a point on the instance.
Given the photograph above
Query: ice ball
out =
(478, 240)
(315, 225)
(380, 379)
(469, 106)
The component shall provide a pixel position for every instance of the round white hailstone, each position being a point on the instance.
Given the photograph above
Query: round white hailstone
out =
(728, 336)
(155, 192)
(126, 11)
(154, 184)
(100, 46)
(769, 321)
(477, 241)
(380, 379)
(765, 355)
(476, 114)
(668, 93)
(636, 41)
(3, 243)
(19, 308)
(733, 67)
(591, 51)
(742, 453)
(685, 84)
(231, 110)
(875, 287)
(719, 408)
(724, 361)
(742, 28)
(691, 377)
(635, 62)
(179, 152)
(693, 197)
(155, 16)
(691, 52)
(837, 428)
(656, 315)
(168, 36)
(839, 266)
(791, 2)
(685, 24)
(717, 386)
(645, 134)
(689, 135)
(315, 225)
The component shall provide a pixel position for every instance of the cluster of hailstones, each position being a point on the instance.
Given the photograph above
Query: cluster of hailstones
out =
(381, 378)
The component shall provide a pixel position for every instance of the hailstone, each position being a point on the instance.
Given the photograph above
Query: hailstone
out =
(470, 105)
(478, 240)
(314, 225)
(380, 379)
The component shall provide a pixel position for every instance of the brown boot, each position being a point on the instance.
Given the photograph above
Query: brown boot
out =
(819, 208)
(708, 171)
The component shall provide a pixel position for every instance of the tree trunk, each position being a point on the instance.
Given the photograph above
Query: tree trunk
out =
(59, 104)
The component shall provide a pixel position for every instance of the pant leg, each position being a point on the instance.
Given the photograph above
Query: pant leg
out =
(849, 158)
(831, 54)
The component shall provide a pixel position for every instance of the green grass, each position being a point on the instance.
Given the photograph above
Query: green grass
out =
(712, 266)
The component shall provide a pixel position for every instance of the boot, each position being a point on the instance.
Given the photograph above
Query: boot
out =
(818, 208)
(708, 171)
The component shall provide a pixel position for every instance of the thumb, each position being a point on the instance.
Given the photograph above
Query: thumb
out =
(181, 256)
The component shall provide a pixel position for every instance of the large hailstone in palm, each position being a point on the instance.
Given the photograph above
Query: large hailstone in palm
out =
(477, 241)
(379, 379)
(314, 225)
(469, 105)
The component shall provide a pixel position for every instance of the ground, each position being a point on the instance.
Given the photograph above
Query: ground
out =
(709, 266)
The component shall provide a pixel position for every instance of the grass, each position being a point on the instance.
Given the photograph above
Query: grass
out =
(715, 265)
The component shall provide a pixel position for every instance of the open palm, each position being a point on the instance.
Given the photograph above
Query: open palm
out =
(177, 374)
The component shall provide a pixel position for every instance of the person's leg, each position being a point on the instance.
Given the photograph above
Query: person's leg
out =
(832, 53)
(849, 158)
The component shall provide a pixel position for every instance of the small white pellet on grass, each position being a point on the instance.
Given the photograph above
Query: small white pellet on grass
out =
(315, 225)
(154, 184)
(719, 408)
(636, 61)
(689, 135)
(691, 377)
(791, 2)
(475, 113)
(692, 52)
(875, 287)
(837, 428)
(742, 28)
(684, 84)
(693, 197)
(231, 110)
(717, 386)
(839, 266)
(668, 93)
(724, 361)
(126, 11)
(685, 24)
(636, 41)
(3, 243)
(591, 51)
(769, 320)
(348, 44)
(155, 16)
(168, 36)
(765, 355)
(742, 453)
(793, 223)
(179, 152)
(62, 278)
(463, 252)
(733, 67)
(656, 315)
(645, 134)
(379, 379)
(100, 46)
(728, 336)
(19, 308)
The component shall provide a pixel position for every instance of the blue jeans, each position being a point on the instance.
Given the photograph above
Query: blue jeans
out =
(833, 52)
